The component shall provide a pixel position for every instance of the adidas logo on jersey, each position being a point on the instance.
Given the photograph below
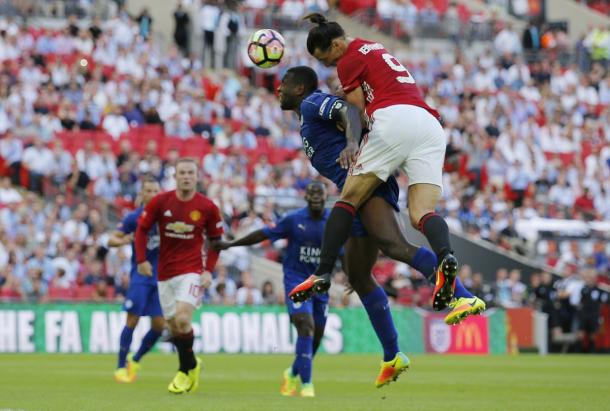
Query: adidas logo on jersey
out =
(167, 213)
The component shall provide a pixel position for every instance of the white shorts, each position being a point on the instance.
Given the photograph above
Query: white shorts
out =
(186, 288)
(403, 137)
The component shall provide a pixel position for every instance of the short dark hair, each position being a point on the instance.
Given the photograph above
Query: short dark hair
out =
(186, 160)
(304, 75)
(322, 35)
(315, 184)
(148, 179)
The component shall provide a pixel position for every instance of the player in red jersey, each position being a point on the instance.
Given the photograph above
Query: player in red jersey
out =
(405, 133)
(183, 217)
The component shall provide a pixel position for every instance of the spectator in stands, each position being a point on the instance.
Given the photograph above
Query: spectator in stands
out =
(11, 151)
(222, 289)
(8, 194)
(517, 288)
(598, 44)
(569, 295)
(107, 187)
(38, 160)
(209, 16)
(231, 25)
(591, 298)
(584, 205)
(295, 9)
(75, 230)
(115, 123)
(531, 40)
(133, 114)
(144, 23)
(61, 280)
(507, 41)
(480, 288)
(34, 288)
(268, 294)
(502, 291)
(248, 294)
(176, 126)
(182, 23)
(89, 161)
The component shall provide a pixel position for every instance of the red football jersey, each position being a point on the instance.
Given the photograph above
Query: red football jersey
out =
(383, 79)
(182, 225)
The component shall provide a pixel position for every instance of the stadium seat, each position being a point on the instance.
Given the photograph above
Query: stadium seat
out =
(84, 292)
(61, 294)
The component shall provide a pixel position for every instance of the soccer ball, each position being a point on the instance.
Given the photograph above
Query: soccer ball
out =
(266, 48)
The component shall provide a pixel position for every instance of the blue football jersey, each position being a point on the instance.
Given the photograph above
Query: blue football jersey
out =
(323, 142)
(304, 235)
(128, 226)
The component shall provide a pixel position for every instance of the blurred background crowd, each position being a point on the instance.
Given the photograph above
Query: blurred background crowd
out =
(90, 105)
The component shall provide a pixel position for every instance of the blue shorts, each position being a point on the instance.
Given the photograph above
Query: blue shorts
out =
(316, 306)
(143, 300)
(389, 192)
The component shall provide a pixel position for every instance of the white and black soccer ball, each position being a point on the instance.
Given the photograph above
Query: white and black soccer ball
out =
(266, 48)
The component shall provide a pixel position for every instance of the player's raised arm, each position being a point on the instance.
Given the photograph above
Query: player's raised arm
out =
(147, 220)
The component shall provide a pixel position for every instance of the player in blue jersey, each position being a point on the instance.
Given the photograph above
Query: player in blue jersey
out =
(142, 296)
(325, 120)
(303, 228)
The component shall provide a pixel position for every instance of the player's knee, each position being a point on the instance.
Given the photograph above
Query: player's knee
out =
(304, 325)
(363, 285)
(387, 246)
(416, 214)
(182, 323)
(158, 324)
(132, 320)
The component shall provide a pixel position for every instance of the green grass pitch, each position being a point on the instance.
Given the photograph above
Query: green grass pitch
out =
(343, 382)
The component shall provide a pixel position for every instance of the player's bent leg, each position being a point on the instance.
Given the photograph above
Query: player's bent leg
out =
(422, 202)
(387, 227)
(356, 191)
(361, 254)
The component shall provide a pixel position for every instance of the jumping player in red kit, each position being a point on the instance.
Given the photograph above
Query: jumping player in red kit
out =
(183, 217)
(405, 134)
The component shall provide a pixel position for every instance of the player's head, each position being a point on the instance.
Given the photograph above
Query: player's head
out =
(186, 174)
(150, 188)
(297, 83)
(315, 195)
(326, 40)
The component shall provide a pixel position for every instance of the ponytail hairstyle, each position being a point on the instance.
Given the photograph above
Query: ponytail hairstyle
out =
(322, 35)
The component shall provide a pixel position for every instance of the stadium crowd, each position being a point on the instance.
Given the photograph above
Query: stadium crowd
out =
(525, 140)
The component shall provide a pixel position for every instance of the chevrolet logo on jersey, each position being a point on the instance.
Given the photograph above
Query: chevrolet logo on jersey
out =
(180, 227)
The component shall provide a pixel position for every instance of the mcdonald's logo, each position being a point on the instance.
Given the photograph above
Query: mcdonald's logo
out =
(469, 337)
